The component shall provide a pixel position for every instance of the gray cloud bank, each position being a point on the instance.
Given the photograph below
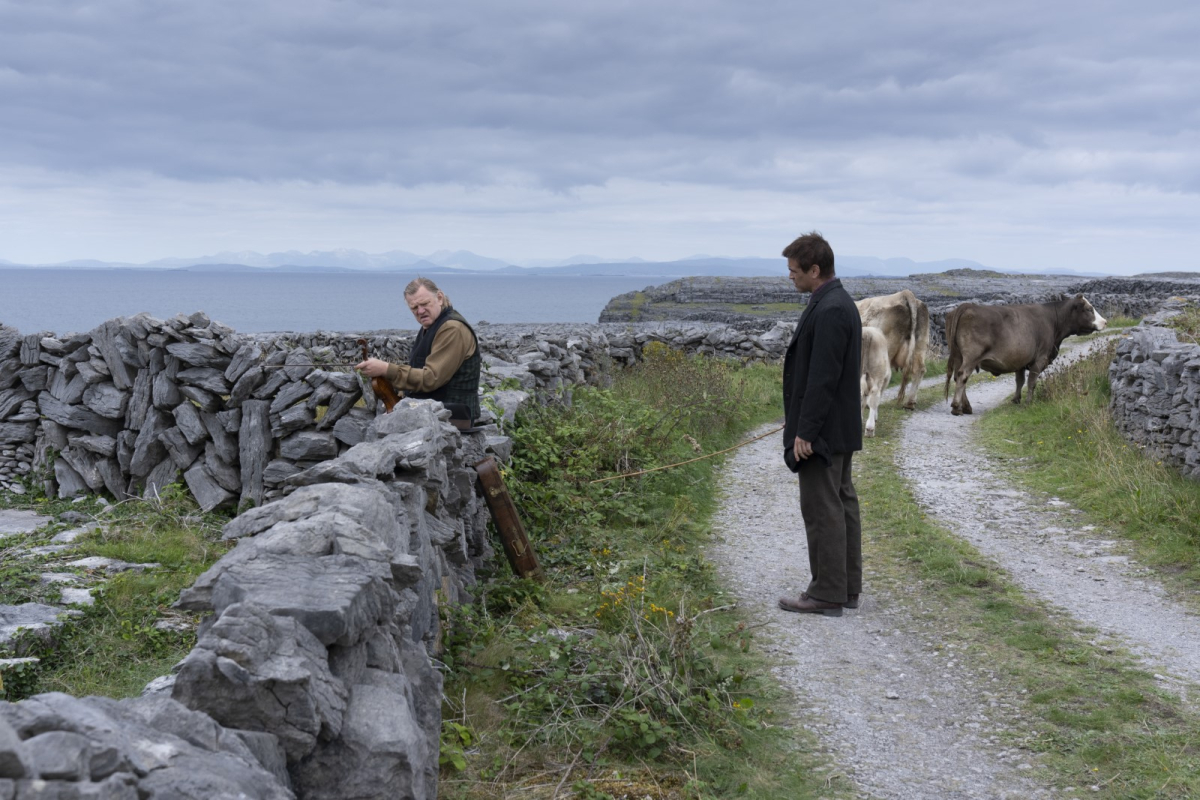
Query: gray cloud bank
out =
(1001, 114)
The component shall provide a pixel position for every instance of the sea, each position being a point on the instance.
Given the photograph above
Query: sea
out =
(65, 301)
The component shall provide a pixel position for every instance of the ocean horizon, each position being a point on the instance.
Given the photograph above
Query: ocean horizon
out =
(62, 301)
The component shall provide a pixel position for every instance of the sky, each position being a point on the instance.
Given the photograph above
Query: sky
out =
(1022, 135)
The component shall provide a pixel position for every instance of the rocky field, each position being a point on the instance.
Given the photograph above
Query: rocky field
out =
(759, 302)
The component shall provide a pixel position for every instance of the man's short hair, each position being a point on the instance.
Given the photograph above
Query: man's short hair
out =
(426, 283)
(809, 249)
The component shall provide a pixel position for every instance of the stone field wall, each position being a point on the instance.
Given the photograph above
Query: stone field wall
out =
(138, 403)
(312, 676)
(1155, 380)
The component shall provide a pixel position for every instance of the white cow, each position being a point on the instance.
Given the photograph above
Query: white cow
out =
(876, 372)
(904, 320)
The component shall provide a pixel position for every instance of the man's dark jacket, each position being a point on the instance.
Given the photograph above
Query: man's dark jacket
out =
(821, 376)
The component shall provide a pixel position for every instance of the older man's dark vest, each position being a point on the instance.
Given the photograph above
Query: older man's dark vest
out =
(463, 386)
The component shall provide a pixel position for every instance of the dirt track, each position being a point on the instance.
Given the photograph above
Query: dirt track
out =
(901, 714)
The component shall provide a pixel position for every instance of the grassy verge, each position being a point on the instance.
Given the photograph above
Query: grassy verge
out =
(130, 634)
(626, 673)
(1065, 444)
(1096, 718)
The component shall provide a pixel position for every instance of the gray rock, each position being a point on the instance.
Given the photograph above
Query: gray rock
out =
(93, 371)
(228, 476)
(200, 354)
(148, 449)
(278, 471)
(352, 428)
(106, 400)
(13, 761)
(204, 399)
(381, 752)
(17, 432)
(254, 448)
(246, 385)
(58, 755)
(207, 378)
(109, 341)
(34, 616)
(338, 405)
(70, 482)
(100, 445)
(225, 445)
(291, 420)
(190, 423)
(289, 395)
(182, 453)
(139, 401)
(161, 476)
(247, 355)
(332, 596)
(208, 493)
(86, 465)
(256, 671)
(164, 392)
(308, 446)
(76, 417)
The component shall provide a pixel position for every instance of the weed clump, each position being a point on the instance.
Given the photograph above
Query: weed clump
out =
(626, 660)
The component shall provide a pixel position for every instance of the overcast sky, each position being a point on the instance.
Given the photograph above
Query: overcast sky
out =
(1017, 134)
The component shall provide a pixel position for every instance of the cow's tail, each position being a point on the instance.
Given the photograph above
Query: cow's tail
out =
(954, 359)
(918, 337)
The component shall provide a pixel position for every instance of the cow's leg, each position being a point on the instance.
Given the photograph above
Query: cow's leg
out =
(960, 405)
(1020, 383)
(905, 381)
(1033, 376)
(871, 399)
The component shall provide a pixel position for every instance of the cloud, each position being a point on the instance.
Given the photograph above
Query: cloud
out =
(874, 106)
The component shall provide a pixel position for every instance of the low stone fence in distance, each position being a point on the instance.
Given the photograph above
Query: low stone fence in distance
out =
(1155, 380)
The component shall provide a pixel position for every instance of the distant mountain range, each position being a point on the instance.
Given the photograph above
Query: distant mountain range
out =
(465, 262)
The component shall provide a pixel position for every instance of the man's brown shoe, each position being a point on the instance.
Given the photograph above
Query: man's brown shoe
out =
(810, 605)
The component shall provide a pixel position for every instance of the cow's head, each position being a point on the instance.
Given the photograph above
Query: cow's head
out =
(1084, 318)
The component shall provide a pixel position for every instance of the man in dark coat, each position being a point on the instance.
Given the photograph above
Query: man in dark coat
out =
(823, 428)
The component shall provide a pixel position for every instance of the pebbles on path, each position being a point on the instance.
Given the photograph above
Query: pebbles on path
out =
(899, 715)
(1042, 543)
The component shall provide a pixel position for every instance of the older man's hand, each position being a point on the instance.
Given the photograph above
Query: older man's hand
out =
(372, 367)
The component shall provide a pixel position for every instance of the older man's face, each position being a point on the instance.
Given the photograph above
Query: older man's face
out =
(425, 306)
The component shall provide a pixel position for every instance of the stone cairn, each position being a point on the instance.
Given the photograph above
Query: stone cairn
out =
(1155, 380)
(312, 676)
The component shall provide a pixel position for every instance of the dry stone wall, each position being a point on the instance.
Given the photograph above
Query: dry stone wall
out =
(312, 676)
(1155, 380)
(138, 403)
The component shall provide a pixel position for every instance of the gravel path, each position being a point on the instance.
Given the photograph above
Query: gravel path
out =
(882, 687)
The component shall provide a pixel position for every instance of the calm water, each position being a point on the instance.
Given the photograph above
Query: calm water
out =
(66, 301)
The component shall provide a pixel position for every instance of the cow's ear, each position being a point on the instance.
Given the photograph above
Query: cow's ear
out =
(1079, 296)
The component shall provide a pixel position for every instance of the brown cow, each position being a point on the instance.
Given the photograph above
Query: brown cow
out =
(876, 372)
(904, 321)
(1018, 338)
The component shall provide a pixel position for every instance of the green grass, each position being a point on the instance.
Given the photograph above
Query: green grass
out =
(1065, 444)
(114, 648)
(627, 672)
(1096, 718)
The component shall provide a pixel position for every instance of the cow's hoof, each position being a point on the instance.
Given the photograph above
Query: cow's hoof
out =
(956, 411)
(911, 406)
(870, 432)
